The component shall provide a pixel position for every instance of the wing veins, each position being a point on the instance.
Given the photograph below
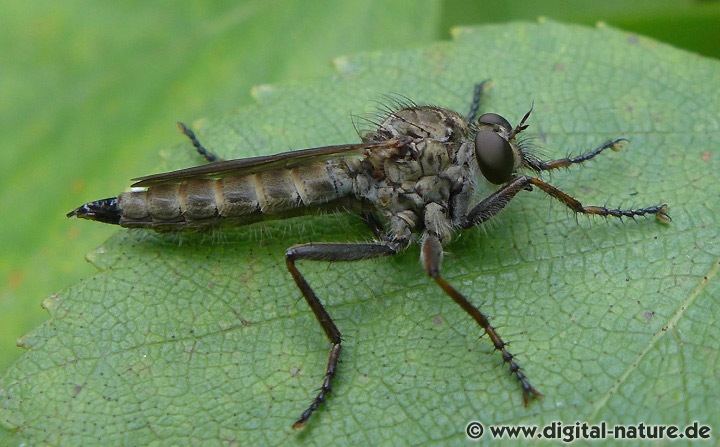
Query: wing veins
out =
(253, 165)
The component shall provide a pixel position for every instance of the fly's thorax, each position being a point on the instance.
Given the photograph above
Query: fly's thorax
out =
(418, 169)
(207, 202)
(419, 176)
(420, 122)
(417, 189)
(414, 188)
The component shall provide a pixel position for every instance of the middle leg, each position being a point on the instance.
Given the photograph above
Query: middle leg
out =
(431, 257)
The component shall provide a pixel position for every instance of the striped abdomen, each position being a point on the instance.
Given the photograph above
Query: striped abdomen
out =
(230, 200)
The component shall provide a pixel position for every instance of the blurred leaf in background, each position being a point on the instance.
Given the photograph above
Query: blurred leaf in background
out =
(690, 24)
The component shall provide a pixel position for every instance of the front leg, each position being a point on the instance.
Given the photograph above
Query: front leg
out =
(496, 201)
(328, 252)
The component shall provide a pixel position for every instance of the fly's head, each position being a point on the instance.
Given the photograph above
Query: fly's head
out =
(497, 151)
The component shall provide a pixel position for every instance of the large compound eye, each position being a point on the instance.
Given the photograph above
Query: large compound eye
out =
(493, 118)
(494, 156)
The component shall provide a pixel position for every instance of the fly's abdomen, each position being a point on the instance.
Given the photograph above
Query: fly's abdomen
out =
(236, 200)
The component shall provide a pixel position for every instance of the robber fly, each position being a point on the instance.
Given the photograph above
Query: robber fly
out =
(411, 179)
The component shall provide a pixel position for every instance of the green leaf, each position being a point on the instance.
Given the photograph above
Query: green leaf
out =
(195, 339)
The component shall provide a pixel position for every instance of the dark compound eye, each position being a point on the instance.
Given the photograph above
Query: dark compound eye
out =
(494, 155)
(494, 118)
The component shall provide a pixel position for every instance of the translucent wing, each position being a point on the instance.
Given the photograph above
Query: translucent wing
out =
(252, 165)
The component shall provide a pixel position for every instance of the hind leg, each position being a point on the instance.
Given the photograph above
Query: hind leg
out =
(207, 155)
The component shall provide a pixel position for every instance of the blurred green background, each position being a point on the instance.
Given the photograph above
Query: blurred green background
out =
(90, 93)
